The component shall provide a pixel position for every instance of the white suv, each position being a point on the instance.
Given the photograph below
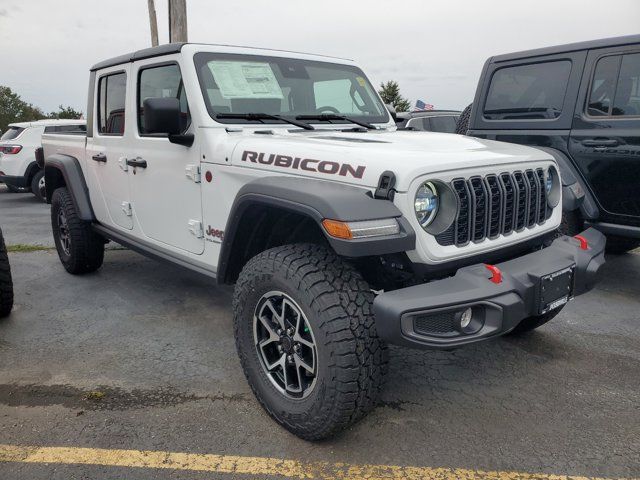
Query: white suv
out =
(18, 168)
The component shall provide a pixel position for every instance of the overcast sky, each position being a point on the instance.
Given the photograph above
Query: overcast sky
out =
(434, 49)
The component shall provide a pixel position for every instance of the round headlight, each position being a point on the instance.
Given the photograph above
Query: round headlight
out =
(426, 204)
(549, 181)
(552, 187)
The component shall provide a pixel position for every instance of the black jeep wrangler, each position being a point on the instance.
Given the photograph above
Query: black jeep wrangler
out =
(581, 102)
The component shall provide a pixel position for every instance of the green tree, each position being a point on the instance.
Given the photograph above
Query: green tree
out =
(14, 109)
(390, 93)
(68, 113)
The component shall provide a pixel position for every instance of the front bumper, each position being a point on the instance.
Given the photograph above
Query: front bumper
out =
(428, 315)
(15, 181)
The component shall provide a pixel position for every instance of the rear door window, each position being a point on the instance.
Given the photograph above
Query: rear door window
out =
(627, 98)
(112, 91)
(615, 87)
(532, 92)
(11, 133)
(603, 86)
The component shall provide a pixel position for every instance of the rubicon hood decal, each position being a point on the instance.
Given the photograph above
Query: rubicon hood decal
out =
(307, 164)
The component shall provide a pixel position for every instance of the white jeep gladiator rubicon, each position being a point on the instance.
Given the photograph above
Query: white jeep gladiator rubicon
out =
(284, 174)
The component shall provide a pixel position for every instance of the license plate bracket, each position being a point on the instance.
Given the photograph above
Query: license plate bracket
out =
(555, 289)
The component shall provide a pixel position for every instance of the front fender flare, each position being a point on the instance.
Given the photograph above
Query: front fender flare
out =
(319, 199)
(575, 194)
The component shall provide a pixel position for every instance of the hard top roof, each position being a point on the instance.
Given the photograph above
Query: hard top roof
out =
(170, 48)
(570, 47)
(44, 123)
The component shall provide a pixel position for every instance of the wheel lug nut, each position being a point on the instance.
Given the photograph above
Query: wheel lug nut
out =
(279, 331)
(290, 331)
(280, 349)
(296, 347)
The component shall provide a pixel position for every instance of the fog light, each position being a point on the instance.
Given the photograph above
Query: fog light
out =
(465, 318)
(470, 320)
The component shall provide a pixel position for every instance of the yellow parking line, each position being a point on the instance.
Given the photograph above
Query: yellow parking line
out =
(261, 466)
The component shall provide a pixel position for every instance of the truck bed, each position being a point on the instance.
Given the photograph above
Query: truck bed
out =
(66, 144)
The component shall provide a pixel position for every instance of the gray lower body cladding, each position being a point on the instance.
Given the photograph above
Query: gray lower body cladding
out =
(430, 315)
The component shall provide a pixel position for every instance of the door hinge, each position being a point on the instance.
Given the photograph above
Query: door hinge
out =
(126, 208)
(195, 227)
(193, 172)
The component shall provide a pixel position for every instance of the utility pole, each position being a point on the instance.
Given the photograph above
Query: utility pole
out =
(178, 21)
(153, 22)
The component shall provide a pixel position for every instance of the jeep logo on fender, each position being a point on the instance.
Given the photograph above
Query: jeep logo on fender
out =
(307, 164)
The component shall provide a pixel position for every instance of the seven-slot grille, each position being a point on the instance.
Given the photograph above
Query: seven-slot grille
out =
(496, 205)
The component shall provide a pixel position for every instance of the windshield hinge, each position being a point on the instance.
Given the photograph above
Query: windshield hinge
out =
(385, 190)
(195, 227)
(126, 208)
(193, 172)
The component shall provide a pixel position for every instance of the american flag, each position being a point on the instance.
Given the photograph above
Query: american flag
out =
(421, 106)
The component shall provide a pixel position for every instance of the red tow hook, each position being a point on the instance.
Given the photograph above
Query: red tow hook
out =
(584, 245)
(496, 274)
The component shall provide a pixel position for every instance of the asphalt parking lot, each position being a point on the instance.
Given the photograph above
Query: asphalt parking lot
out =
(95, 371)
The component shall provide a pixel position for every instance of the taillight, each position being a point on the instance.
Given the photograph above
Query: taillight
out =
(10, 149)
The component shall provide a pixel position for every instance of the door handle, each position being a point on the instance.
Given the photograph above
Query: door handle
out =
(137, 162)
(100, 157)
(594, 142)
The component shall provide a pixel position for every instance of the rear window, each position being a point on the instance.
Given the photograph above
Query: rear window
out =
(531, 92)
(12, 133)
(444, 124)
(71, 129)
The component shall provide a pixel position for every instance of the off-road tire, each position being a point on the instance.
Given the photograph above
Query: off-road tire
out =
(86, 248)
(462, 125)
(35, 185)
(620, 245)
(6, 283)
(531, 323)
(351, 360)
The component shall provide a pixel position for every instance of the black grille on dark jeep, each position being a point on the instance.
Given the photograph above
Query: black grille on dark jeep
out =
(496, 205)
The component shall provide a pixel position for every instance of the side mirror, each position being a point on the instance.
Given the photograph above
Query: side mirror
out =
(162, 115)
(392, 111)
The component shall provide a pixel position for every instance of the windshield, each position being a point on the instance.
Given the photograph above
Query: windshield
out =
(12, 133)
(288, 87)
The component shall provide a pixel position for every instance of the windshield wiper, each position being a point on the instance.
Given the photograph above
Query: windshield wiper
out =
(327, 117)
(264, 116)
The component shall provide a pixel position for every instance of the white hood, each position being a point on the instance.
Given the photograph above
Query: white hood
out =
(360, 157)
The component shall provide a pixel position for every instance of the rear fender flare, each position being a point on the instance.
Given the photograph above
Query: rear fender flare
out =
(64, 170)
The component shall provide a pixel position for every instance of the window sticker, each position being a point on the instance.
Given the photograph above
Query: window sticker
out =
(245, 79)
(361, 81)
